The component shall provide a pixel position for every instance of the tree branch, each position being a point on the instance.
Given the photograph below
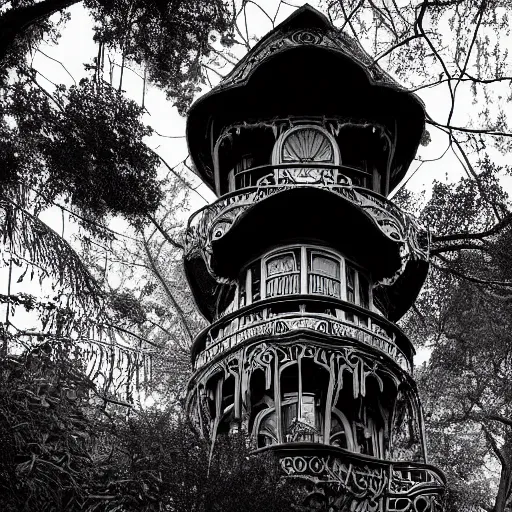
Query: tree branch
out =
(488, 282)
(15, 22)
(457, 247)
(503, 223)
(164, 284)
(164, 233)
(494, 446)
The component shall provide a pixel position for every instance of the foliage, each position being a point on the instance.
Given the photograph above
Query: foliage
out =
(46, 430)
(85, 145)
(161, 464)
(170, 38)
(63, 450)
(463, 316)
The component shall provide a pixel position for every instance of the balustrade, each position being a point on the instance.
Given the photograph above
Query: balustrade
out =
(369, 484)
(269, 318)
(283, 285)
(323, 285)
(310, 173)
(268, 180)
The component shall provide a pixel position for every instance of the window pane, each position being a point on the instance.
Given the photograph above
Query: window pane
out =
(256, 281)
(289, 416)
(283, 274)
(351, 278)
(324, 275)
(324, 265)
(364, 292)
(281, 264)
(308, 410)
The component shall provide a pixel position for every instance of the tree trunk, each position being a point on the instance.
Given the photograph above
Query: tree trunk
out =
(15, 22)
(504, 489)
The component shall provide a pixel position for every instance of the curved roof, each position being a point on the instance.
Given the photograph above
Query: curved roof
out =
(305, 66)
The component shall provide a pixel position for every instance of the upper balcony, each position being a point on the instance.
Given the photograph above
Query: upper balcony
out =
(282, 203)
(243, 152)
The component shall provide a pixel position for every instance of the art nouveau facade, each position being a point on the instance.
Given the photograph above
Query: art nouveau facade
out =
(302, 266)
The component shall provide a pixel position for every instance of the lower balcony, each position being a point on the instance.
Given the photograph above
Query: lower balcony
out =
(342, 481)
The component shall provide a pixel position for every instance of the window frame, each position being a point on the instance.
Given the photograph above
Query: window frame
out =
(278, 146)
(307, 251)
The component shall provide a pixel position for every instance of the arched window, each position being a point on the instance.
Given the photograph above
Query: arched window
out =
(306, 143)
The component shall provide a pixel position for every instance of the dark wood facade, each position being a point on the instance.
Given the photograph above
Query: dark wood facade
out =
(302, 266)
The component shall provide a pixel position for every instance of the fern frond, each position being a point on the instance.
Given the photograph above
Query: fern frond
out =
(30, 241)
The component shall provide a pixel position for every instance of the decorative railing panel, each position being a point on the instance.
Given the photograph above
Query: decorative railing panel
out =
(324, 285)
(293, 174)
(263, 320)
(283, 285)
(367, 485)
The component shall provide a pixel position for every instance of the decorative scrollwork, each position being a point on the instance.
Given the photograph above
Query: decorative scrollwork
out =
(254, 326)
(214, 221)
(306, 37)
(365, 486)
(279, 41)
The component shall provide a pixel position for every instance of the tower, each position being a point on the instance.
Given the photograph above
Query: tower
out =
(302, 266)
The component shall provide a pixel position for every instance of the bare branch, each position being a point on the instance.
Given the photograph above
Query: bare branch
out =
(164, 233)
(163, 282)
(506, 221)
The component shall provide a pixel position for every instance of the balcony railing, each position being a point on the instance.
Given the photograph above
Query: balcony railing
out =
(368, 483)
(287, 284)
(309, 173)
(323, 285)
(275, 316)
(261, 182)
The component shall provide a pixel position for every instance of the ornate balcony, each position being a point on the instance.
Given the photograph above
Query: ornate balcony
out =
(223, 235)
(279, 316)
(255, 185)
(367, 484)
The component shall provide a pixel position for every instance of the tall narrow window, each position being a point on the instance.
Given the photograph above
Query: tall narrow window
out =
(283, 274)
(242, 178)
(364, 292)
(351, 284)
(255, 282)
(324, 275)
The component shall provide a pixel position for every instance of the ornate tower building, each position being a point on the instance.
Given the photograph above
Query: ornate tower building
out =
(302, 266)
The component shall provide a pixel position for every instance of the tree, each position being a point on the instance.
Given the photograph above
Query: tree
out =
(143, 31)
(468, 382)
(47, 427)
(463, 316)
